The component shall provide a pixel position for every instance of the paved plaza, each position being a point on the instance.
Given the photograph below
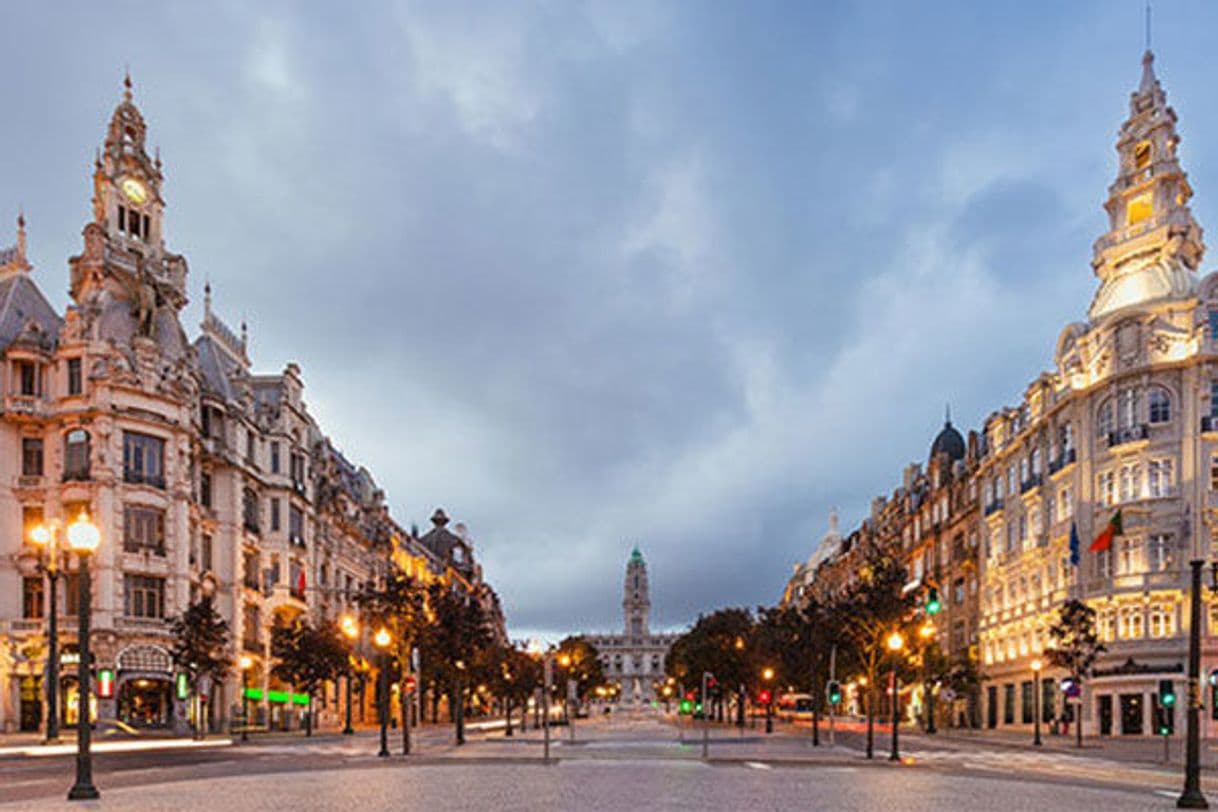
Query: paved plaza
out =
(629, 762)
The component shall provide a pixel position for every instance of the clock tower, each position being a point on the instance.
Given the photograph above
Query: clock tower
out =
(636, 603)
(125, 250)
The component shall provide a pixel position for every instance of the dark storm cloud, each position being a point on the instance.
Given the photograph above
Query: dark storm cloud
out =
(596, 274)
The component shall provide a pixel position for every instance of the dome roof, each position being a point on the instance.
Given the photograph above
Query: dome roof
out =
(948, 442)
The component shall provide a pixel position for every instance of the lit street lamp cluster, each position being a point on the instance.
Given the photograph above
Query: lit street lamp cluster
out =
(83, 539)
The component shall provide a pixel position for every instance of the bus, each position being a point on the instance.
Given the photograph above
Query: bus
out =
(792, 707)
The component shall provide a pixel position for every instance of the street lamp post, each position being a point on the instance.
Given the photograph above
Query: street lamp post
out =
(895, 643)
(926, 632)
(83, 538)
(1192, 797)
(246, 664)
(46, 538)
(382, 639)
(767, 676)
(350, 630)
(1036, 665)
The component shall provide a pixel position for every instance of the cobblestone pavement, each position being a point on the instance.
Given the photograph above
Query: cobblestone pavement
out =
(629, 762)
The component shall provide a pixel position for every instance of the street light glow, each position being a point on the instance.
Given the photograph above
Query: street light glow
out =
(1036, 665)
(246, 662)
(41, 535)
(382, 638)
(767, 674)
(349, 626)
(83, 535)
(895, 641)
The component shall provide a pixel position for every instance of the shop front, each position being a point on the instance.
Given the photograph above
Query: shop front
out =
(145, 697)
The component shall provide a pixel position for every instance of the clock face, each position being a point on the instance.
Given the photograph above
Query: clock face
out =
(134, 190)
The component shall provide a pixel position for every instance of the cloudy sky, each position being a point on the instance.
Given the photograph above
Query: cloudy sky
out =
(588, 275)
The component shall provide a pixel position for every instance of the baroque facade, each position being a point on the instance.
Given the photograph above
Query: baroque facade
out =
(1126, 420)
(203, 476)
(634, 659)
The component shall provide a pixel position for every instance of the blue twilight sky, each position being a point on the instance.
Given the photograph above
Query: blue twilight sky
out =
(592, 274)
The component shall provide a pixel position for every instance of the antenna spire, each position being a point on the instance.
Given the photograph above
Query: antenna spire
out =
(1147, 25)
(948, 414)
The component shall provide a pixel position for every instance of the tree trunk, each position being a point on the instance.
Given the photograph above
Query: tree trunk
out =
(870, 718)
(740, 707)
(404, 703)
(458, 712)
(815, 718)
(507, 712)
(309, 716)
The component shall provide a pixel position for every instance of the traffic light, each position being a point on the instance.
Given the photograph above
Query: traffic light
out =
(1167, 693)
(686, 707)
(834, 692)
(932, 601)
(764, 697)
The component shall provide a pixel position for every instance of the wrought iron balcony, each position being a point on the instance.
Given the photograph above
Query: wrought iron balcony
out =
(994, 506)
(1061, 462)
(1129, 434)
(1031, 482)
(141, 478)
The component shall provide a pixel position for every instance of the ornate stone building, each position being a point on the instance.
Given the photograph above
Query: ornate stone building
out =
(634, 659)
(202, 476)
(1127, 419)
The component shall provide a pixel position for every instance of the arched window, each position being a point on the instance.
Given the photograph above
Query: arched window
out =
(76, 455)
(1104, 424)
(1159, 405)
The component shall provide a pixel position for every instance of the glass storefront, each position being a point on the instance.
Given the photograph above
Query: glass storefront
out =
(146, 702)
(31, 704)
(71, 702)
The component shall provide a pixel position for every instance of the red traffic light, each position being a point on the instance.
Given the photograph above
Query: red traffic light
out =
(764, 697)
(690, 695)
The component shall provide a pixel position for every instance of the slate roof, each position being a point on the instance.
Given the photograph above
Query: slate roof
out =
(20, 303)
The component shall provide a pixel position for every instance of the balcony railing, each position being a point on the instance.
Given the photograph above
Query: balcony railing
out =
(24, 405)
(993, 507)
(1129, 434)
(141, 478)
(251, 526)
(300, 488)
(1209, 423)
(251, 582)
(1061, 462)
(76, 475)
(1030, 483)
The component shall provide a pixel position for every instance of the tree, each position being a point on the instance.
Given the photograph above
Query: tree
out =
(457, 631)
(400, 608)
(873, 608)
(308, 655)
(722, 644)
(583, 665)
(797, 641)
(1075, 645)
(965, 678)
(200, 644)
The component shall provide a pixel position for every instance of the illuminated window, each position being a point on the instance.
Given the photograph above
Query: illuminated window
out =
(1160, 405)
(1140, 209)
(1159, 477)
(1141, 155)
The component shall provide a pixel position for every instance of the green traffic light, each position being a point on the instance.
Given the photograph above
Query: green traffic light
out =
(1168, 700)
(686, 706)
(932, 602)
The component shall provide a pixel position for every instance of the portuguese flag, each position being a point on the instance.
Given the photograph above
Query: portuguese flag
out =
(1104, 540)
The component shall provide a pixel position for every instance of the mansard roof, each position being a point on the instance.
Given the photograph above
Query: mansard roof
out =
(22, 305)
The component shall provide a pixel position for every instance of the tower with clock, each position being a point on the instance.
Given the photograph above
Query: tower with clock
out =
(125, 256)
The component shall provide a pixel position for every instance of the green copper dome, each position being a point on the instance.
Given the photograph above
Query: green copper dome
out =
(635, 556)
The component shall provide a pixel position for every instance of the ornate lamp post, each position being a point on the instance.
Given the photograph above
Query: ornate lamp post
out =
(47, 539)
(895, 643)
(350, 630)
(83, 539)
(382, 639)
(767, 676)
(246, 664)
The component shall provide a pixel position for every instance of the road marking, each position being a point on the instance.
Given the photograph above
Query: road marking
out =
(757, 765)
(1166, 793)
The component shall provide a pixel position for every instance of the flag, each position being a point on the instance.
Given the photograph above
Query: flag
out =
(300, 582)
(1075, 544)
(1104, 540)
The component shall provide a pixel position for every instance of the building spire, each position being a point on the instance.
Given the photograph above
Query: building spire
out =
(1147, 26)
(21, 235)
(947, 416)
(127, 86)
(207, 300)
(1153, 246)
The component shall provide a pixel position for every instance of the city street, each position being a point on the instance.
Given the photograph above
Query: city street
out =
(630, 761)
